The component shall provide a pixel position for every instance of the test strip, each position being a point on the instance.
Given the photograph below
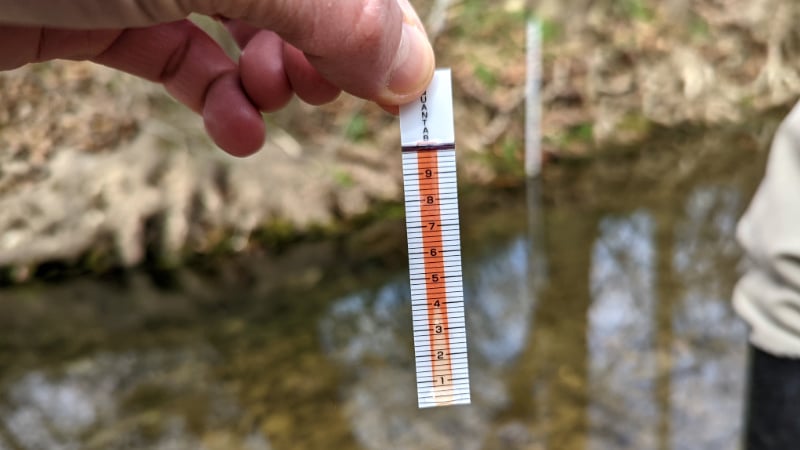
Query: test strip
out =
(434, 246)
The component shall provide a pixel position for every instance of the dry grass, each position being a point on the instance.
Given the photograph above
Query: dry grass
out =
(612, 69)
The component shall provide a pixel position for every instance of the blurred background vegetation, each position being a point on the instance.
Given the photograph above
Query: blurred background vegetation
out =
(597, 299)
(99, 169)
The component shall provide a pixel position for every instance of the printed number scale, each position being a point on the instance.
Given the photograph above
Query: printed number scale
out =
(434, 247)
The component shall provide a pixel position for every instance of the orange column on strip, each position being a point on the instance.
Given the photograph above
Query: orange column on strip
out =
(435, 281)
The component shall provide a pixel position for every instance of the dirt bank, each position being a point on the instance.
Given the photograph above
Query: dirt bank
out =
(104, 169)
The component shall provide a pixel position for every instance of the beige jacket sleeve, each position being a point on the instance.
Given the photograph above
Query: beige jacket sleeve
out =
(768, 295)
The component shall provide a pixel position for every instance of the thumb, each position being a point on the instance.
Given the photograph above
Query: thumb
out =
(375, 49)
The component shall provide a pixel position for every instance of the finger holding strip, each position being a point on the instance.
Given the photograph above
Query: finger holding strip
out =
(191, 66)
(179, 55)
(261, 65)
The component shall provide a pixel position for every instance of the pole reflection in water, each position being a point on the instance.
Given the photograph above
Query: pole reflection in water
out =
(593, 324)
(645, 354)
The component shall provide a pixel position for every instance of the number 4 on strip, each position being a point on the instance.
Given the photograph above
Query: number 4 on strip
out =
(434, 246)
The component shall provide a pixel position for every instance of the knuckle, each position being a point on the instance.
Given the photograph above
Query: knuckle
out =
(370, 26)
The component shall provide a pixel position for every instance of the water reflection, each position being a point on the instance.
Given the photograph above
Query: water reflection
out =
(106, 402)
(665, 353)
(622, 411)
(709, 342)
(593, 330)
(500, 305)
(370, 333)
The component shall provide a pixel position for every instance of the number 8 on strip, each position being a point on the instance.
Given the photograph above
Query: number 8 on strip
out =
(434, 246)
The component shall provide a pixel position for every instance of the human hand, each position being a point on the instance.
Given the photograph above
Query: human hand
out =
(375, 49)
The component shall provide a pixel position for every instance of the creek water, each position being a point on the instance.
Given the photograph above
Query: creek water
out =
(598, 317)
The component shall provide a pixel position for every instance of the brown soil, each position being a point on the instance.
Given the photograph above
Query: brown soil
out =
(99, 166)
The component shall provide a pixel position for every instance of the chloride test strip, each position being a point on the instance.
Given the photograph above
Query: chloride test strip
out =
(434, 246)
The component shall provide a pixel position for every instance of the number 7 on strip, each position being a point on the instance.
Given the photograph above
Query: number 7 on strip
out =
(434, 246)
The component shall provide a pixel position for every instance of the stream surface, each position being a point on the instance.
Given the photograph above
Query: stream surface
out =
(598, 317)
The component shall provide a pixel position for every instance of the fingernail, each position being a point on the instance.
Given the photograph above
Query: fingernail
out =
(413, 67)
(410, 15)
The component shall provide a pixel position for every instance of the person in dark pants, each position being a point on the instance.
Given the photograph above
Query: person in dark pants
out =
(768, 296)
(773, 416)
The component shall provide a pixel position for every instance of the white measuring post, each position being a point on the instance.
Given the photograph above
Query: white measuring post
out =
(434, 246)
(533, 100)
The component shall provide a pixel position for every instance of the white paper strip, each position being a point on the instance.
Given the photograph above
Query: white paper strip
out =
(434, 247)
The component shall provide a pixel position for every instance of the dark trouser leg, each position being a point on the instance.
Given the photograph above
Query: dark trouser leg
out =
(773, 416)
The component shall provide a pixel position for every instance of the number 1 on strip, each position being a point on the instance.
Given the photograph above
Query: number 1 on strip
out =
(434, 246)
